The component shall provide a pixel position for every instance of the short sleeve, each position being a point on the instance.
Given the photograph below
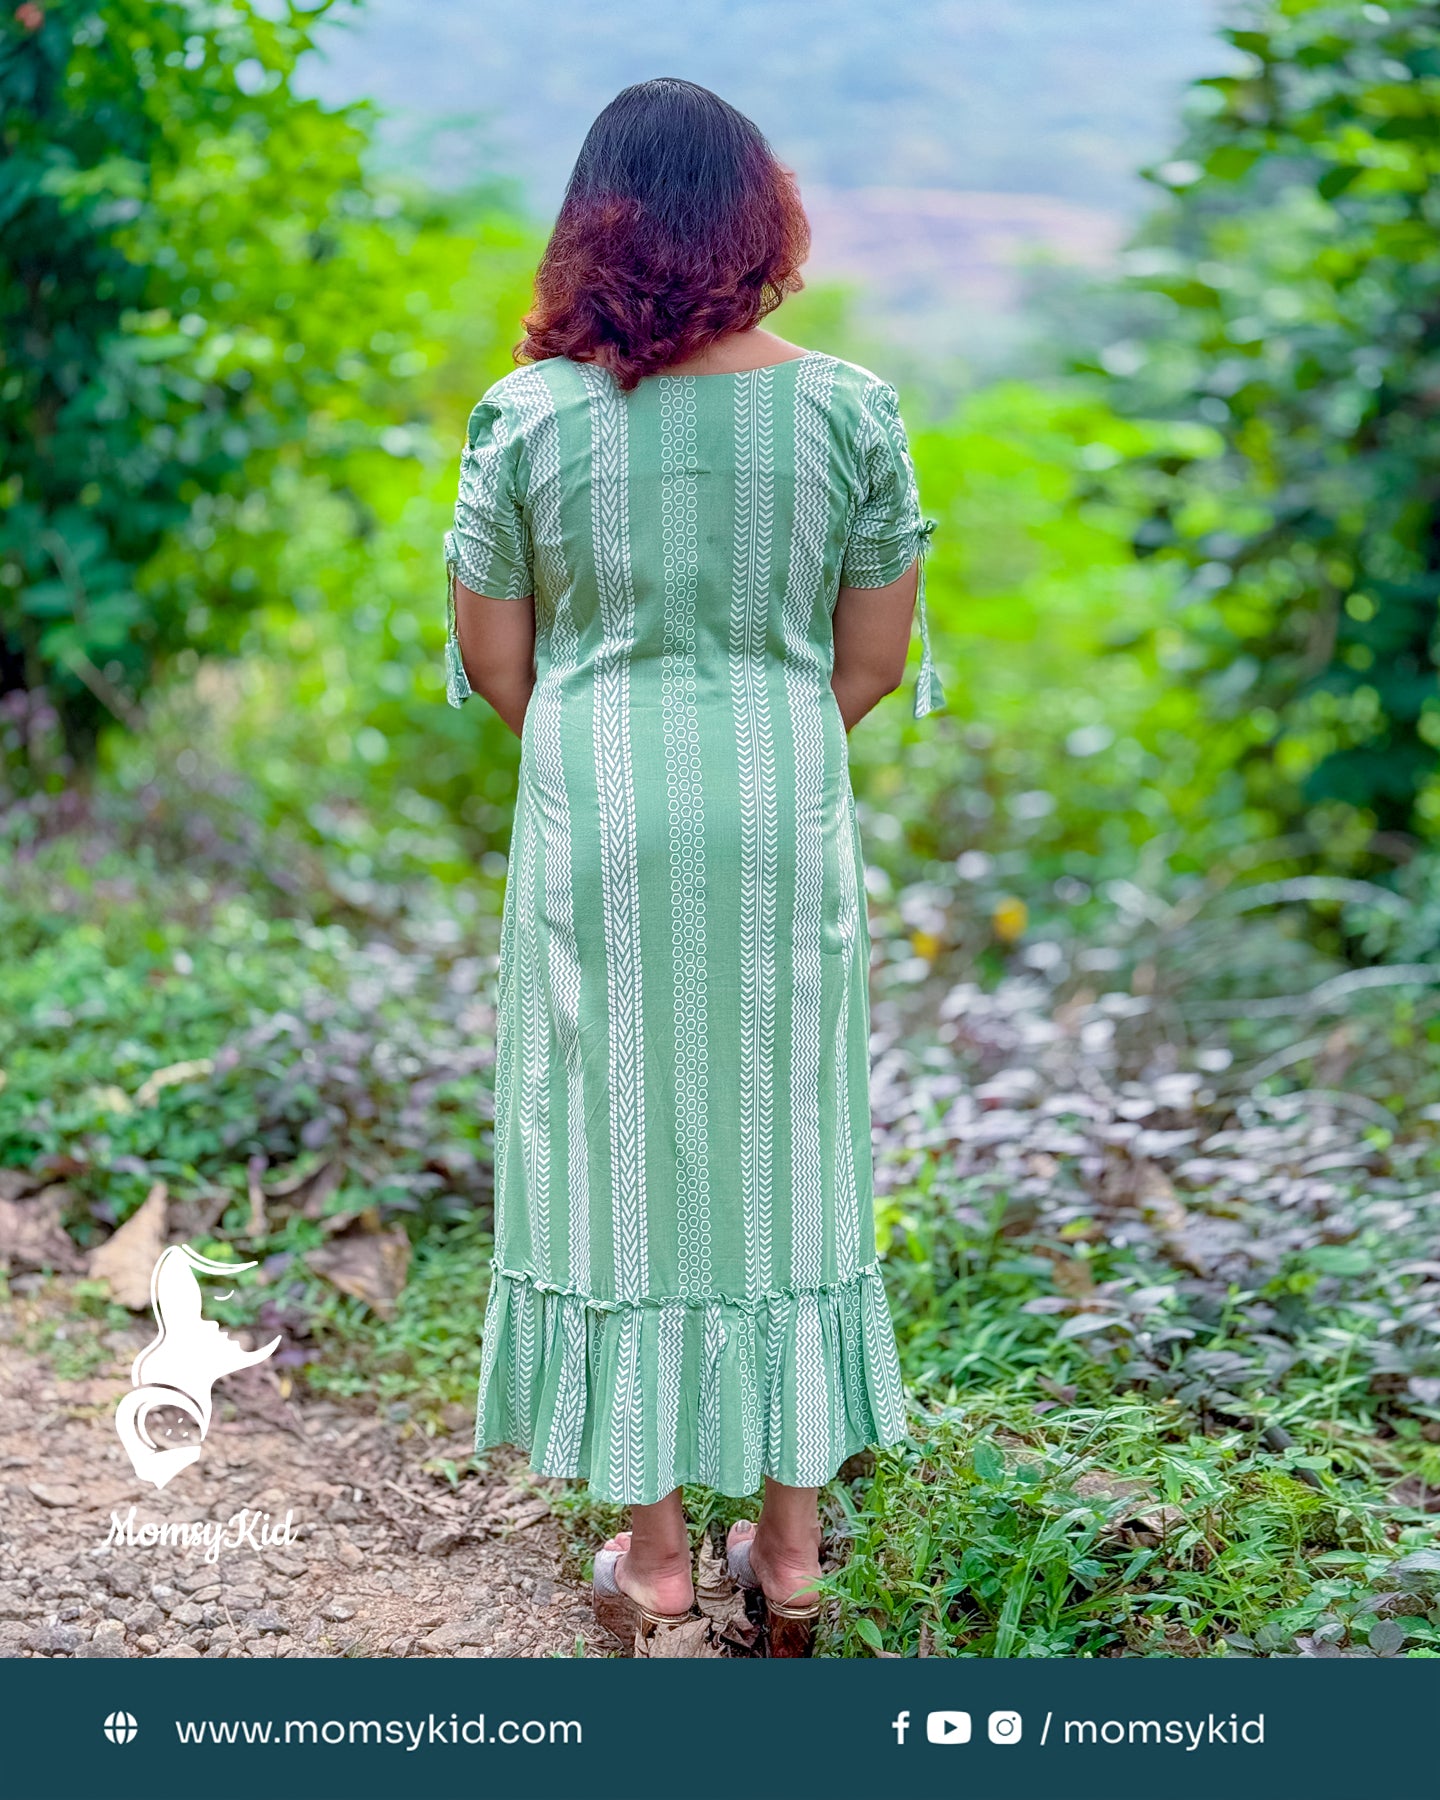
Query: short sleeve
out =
(887, 528)
(488, 546)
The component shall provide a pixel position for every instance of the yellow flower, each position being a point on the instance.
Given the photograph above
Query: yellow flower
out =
(1010, 917)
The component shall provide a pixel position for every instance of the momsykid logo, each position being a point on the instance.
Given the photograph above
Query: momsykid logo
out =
(179, 1369)
(120, 1727)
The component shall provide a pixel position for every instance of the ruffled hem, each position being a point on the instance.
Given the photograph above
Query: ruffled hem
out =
(638, 1398)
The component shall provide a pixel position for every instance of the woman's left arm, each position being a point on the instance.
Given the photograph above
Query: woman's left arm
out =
(497, 648)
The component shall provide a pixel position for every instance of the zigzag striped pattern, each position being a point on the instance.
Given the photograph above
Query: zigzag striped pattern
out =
(619, 871)
(619, 874)
(534, 1117)
(557, 653)
(804, 686)
(709, 1437)
(567, 1423)
(845, 1185)
(812, 1431)
(759, 825)
(680, 724)
(670, 1359)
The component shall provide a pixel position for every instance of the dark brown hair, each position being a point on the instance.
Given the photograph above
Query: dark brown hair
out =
(678, 227)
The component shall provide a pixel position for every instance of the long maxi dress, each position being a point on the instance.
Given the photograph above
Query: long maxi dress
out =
(685, 1285)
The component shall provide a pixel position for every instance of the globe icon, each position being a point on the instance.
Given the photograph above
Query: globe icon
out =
(120, 1727)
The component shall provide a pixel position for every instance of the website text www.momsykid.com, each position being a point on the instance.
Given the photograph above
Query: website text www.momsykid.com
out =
(413, 1734)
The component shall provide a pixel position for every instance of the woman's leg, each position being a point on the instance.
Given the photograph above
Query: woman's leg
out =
(655, 1569)
(785, 1542)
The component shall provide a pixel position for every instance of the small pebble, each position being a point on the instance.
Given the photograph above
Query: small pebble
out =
(109, 1639)
(55, 1493)
(126, 1578)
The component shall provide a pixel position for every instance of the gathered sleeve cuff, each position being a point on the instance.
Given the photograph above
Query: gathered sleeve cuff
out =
(888, 530)
(488, 545)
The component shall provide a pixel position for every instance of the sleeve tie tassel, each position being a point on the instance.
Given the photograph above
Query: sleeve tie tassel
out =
(929, 694)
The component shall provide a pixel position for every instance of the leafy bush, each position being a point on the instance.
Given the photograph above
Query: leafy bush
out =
(186, 249)
(1284, 297)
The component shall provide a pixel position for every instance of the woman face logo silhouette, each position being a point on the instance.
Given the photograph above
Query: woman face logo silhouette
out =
(182, 1365)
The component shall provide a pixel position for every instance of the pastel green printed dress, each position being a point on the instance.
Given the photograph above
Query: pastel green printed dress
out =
(685, 1285)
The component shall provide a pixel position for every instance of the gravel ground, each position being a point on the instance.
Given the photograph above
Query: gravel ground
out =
(385, 1559)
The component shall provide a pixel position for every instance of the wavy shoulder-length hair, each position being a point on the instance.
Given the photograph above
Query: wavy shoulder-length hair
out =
(678, 227)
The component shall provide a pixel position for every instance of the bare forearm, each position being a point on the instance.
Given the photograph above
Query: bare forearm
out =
(871, 634)
(509, 696)
(859, 692)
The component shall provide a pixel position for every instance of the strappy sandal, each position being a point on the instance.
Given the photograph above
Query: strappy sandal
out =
(620, 1613)
(789, 1629)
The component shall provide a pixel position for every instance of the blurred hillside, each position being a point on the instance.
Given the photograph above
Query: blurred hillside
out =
(981, 137)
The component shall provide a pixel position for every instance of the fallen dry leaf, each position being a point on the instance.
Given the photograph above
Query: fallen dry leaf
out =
(308, 1193)
(1412, 1491)
(1096, 1484)
(690, 1639)
(31, 1235)
(1073, 1276)
(369, 1266)
(127, 1260)
(722, 1602)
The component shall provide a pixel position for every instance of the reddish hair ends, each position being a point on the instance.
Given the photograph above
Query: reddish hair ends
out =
(678, 227)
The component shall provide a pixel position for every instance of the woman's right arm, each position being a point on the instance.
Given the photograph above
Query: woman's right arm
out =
(872, 637)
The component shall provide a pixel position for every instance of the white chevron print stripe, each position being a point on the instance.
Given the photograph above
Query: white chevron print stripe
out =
(804, 689)
(629, 1405)
(667, 1400)
(813, 1463)
(533, 1096)
(709, 1444)
(619, 871)
(567, 1422)
(846, 1186)
(755, 753)
(556, 631)
(680, 723)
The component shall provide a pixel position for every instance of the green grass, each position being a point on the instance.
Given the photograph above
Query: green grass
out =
(1214, 1468)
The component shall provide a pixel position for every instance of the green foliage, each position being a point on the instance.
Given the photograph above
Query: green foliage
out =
(1285, 296)
(1063, 748)
(181, 1022)
(186, 252)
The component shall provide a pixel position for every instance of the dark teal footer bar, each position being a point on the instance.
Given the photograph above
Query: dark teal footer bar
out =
(351, 1730)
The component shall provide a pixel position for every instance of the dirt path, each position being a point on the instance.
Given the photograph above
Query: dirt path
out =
(386, 1559)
